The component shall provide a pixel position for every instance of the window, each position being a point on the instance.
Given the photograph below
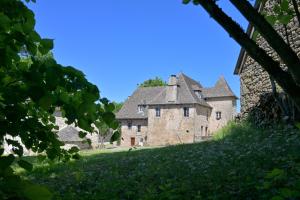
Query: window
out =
(201, 131)
(157, 112)
(140, 108)
(129, 125)
(199, 94)
(218, 115)
(186, 112)
(206, 131)
(139, 128)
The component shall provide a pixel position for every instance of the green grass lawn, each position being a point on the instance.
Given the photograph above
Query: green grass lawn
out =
(241, 163)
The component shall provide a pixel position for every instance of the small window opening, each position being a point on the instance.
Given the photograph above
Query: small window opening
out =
(218, 115)
(157, 112)
(186, 112)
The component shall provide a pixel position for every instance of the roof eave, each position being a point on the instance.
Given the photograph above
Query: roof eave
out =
(243, 53)
(124, 118)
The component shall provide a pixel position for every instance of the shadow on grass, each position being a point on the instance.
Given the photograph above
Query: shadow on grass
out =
(232, 166)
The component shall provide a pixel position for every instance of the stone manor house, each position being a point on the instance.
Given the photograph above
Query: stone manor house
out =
(182, 112)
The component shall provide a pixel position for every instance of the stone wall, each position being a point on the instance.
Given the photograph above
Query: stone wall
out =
(227, 107)
(129, 134)
(172, 127)
(255, 82)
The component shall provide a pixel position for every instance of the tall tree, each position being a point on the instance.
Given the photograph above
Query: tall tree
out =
(32, 85)
(288, 80)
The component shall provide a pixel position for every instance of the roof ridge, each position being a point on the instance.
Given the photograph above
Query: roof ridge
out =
(194, 81)
(189, 89)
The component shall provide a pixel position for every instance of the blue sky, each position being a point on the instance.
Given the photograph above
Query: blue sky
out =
(119, 44)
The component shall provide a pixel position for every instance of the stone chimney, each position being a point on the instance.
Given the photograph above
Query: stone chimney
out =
(171, 95)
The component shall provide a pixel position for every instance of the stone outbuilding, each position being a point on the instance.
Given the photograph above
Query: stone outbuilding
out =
(182, 112)
(256, 89)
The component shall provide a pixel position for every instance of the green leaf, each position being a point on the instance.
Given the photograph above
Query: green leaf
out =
(76, 156)
(271, 19)
(114, 125)
(104, 100)
(46, 101)
(46, 46)
(284, 5)
(109, 107)
(285, 19)
(26, 165)
(82, 123)
(186, 1)
(73, 150)
(82, 134)
(1, 151)
(108, 117)
(4, 21)
(255, 35)
(30, 21)
(6, 161)
(37, 192)
(115, 137)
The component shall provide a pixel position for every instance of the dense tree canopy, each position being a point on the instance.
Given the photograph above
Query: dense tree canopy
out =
(153, 82)
(32, 86)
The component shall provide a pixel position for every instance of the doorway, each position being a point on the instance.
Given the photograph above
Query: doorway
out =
(132, 141)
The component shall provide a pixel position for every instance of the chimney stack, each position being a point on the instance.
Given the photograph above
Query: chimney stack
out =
(172, 89)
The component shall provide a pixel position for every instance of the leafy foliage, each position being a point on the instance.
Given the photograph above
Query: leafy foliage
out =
(32, 86)
(153, 82)
(243, 163)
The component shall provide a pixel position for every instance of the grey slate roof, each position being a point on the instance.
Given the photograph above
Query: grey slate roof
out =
(69, 134)
(221, 89)
(142, 96)
(185, 95)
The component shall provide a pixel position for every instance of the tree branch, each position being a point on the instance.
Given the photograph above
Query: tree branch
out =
(283, 78)
(286, 53)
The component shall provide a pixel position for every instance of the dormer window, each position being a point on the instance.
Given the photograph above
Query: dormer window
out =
(199, 94)
(140, 108)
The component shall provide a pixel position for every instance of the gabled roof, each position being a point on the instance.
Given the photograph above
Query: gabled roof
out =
(221, 89)
(141, 96)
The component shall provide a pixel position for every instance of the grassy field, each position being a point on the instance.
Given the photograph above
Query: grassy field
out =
(240, 163)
